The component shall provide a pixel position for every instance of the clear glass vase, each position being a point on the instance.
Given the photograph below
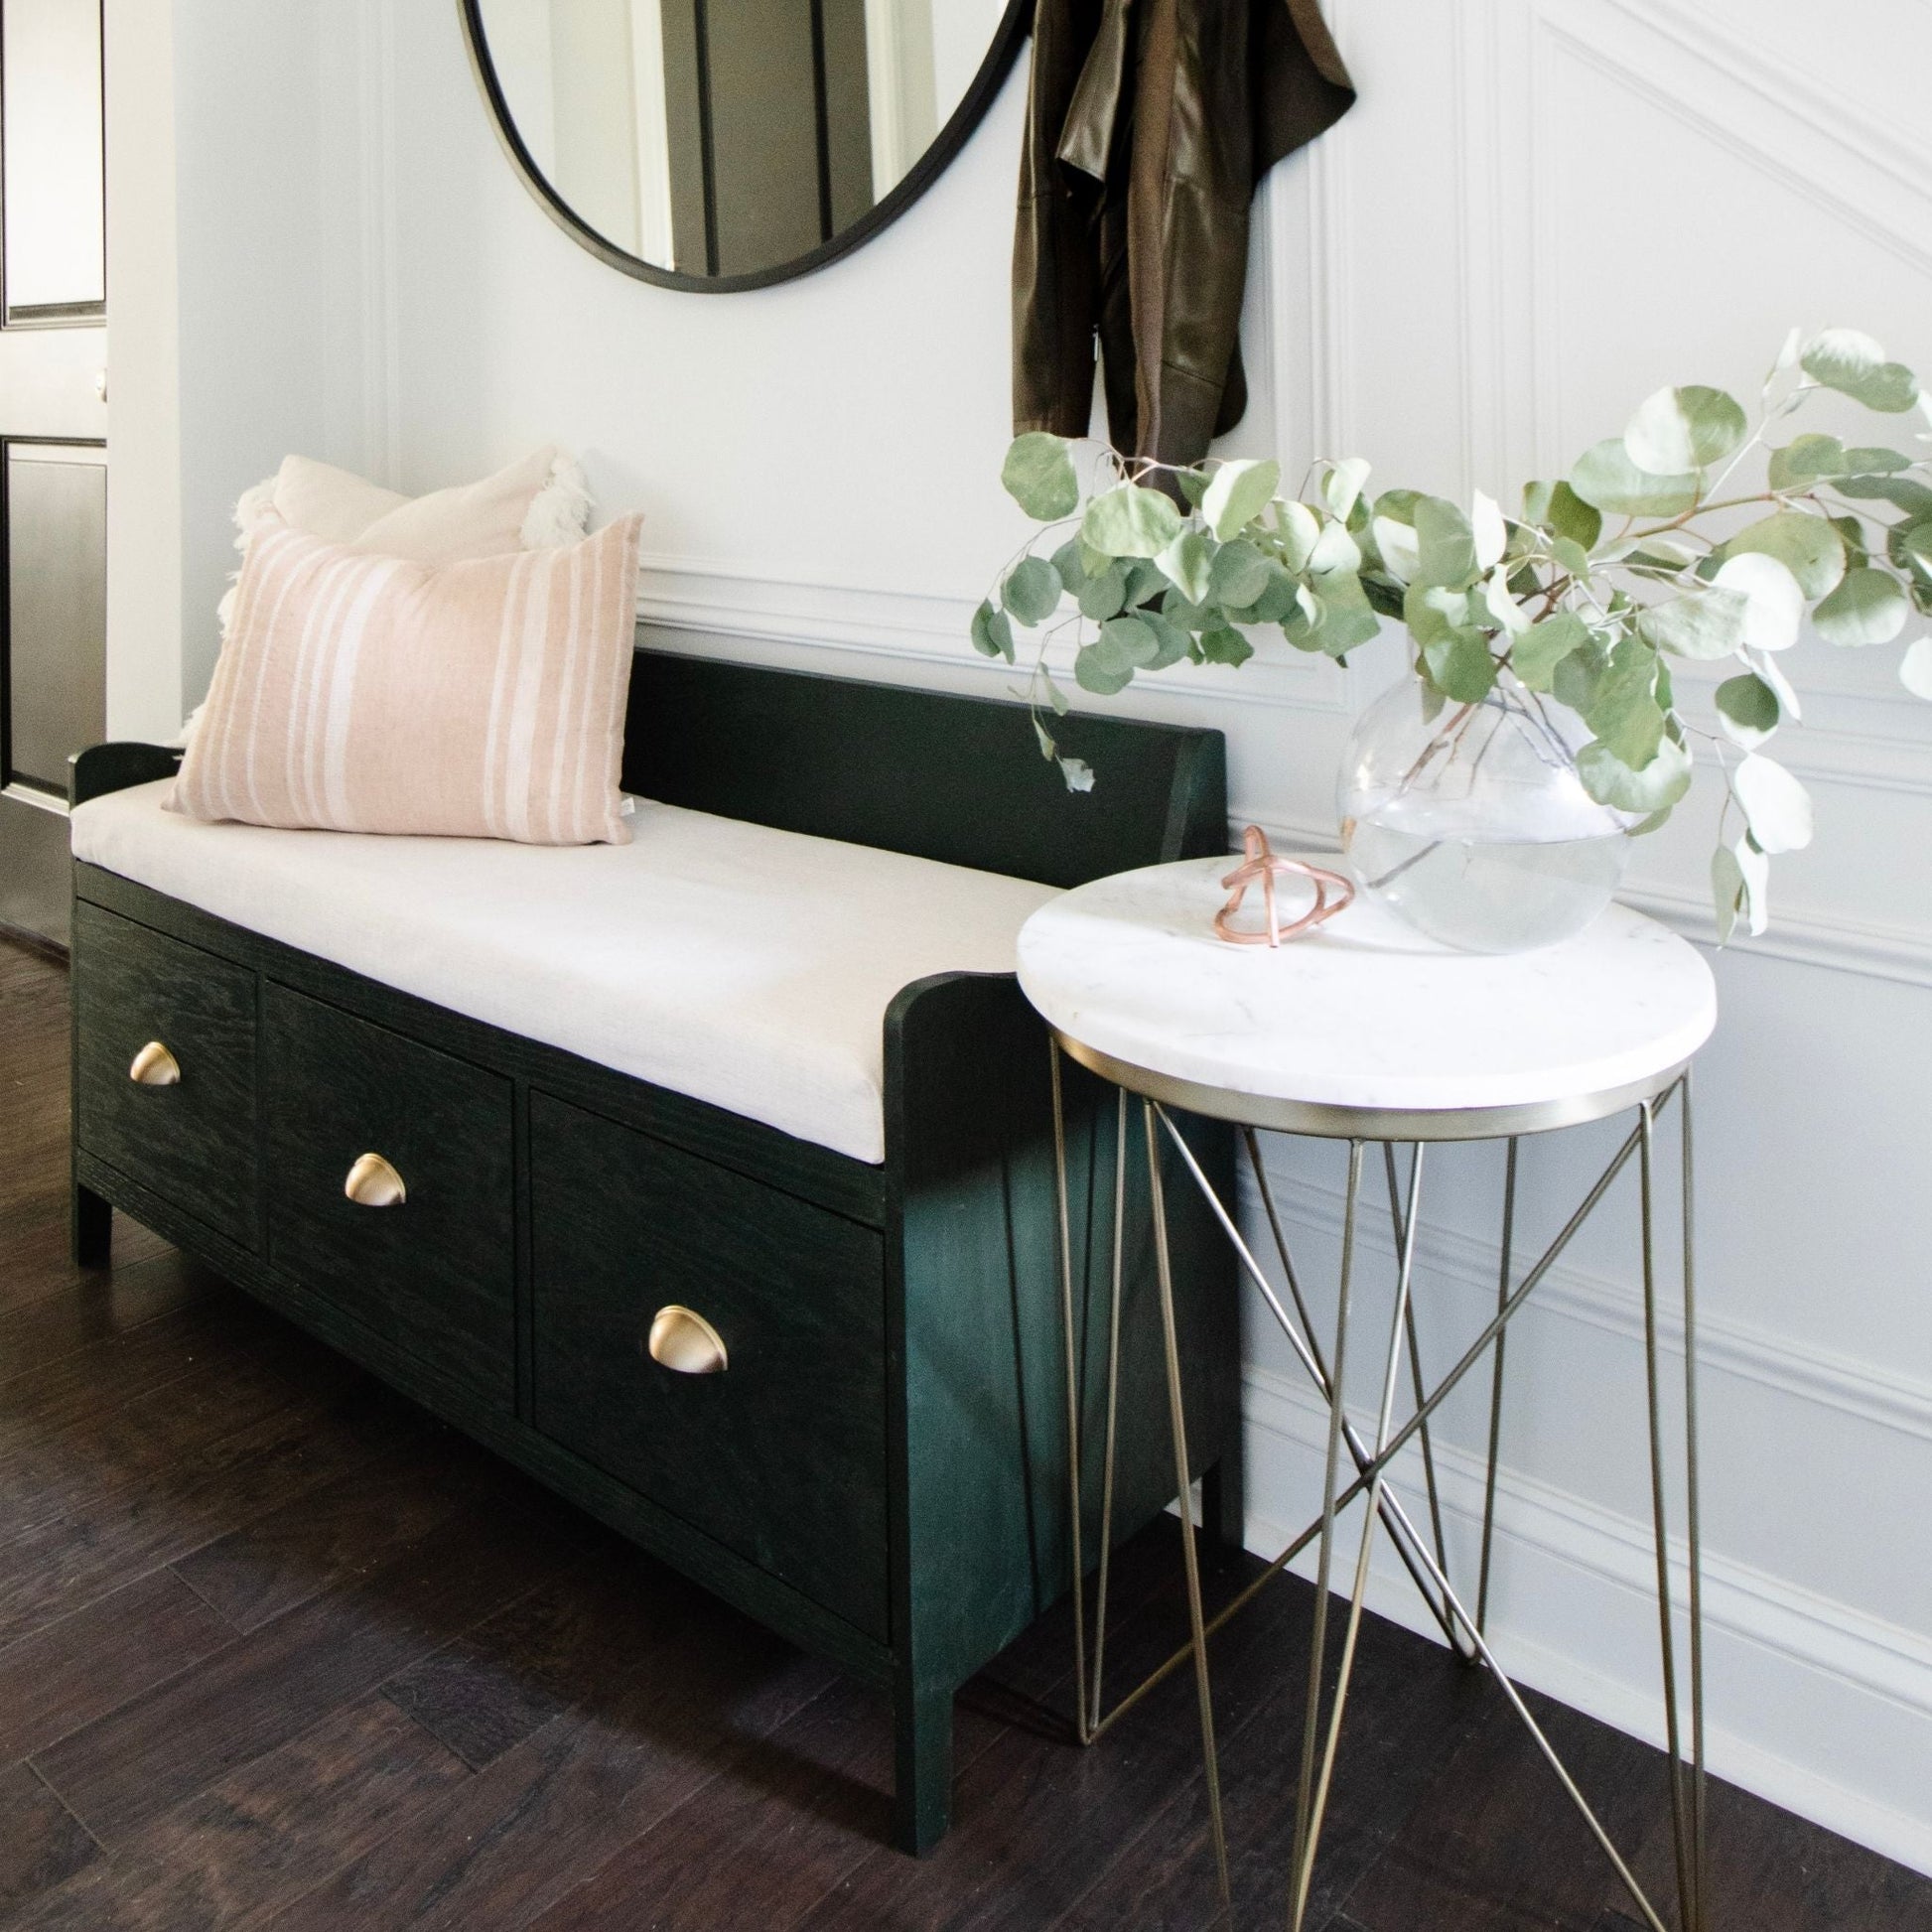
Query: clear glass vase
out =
(1470, 820)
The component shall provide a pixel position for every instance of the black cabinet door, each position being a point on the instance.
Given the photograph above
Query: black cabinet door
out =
(433, 1273)
(192, 1138)
(780, 1454)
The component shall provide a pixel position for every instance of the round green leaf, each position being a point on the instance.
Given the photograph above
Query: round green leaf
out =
(1298, 529)
(1237, 493)
(1461, 665)
(1869, 607)
(1102, 595)
(1605, 479)
(1445, 545)
(1225, 645)
(1170, 639)
(1910, 496)
(1039, 476)
(1701, 624)
(1342, 484)
(1748, 710)
(1874, 463)
(1126, 641)
(1915, 668)
(1239, 572)
(1572, 558)
(1739, 876)
(1334, 552)
(1535, 655)
(1807, 546)
(1396, 544)
(1186, 562)
(992, 633)
(1684, 429)
(1103, 676)
(1130, 523)
(1067, 560)
(1276, 599)
(1560, 510)
(1655, 788)
(1145, 578)
(1805, 459)
(1031, 590)
(1852, 363)
(1625, 712)
(1775, 805)
(1775, 605)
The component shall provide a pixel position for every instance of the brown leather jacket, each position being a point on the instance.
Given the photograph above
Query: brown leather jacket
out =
(1149, 124)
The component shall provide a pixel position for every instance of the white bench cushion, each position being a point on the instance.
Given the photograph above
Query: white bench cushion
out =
(744, 966)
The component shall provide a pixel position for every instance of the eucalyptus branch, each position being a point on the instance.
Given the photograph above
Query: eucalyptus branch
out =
(1599, 621)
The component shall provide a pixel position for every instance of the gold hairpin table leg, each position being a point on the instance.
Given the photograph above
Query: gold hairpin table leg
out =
(1426, 1559)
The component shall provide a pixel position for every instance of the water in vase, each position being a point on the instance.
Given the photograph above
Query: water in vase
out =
(1482, 893)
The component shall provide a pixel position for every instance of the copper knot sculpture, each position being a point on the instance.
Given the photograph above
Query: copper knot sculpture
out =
(1332, 892)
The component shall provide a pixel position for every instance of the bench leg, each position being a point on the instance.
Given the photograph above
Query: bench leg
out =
(90, 1228)
(922, 1776)
(1223, 1497)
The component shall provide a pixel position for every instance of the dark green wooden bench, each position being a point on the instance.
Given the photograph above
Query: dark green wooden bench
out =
(881, 1476)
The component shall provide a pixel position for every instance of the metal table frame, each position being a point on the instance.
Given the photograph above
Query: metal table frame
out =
(1423, 1556)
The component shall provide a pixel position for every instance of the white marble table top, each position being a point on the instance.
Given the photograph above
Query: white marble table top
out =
(1365, 1012)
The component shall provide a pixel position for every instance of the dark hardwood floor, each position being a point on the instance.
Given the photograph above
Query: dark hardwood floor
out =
(276, 1650)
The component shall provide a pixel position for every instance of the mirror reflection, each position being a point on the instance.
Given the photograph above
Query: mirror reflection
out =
(729, 137)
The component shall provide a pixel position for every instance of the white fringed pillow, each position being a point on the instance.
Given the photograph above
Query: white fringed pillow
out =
(532, 505)
(360, 692)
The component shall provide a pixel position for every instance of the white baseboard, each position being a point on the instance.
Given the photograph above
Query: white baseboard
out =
(1812, 1705)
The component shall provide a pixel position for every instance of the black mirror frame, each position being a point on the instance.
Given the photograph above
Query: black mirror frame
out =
(930, 166)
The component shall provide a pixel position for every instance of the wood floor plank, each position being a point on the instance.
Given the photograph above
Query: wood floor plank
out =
(1410, 1706)
(1773, 1872)
(673, 1709)
(268, 1686)
(67, 1561)
(99, 1306)
(1038, 1822)
(41, 1843)
(88, 1664)
(34, 1237)
(228, 1857)
(1495, 1843)
(573, 1637)
(124, 1410)
(344, 1528)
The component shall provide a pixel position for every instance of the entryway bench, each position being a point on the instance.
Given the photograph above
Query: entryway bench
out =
(709, 1179)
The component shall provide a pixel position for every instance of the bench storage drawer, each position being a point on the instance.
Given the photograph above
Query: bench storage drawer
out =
(183, 1121)
(779, 1452)
(432, 1273)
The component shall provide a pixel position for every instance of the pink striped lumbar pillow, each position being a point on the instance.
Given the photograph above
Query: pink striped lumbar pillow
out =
(478, 699)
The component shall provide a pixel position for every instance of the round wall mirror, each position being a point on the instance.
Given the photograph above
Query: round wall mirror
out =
(727, 144)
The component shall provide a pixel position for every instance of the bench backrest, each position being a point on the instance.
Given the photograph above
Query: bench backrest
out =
(960, 780)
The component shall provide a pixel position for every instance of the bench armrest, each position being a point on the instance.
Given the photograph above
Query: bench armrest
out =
(102, 769)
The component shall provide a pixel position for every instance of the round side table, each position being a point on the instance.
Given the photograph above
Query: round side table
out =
(1367, 1032)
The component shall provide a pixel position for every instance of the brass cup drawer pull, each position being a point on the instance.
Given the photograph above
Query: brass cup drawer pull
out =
(374, 1182)
(683, 1340)
(155, 1066)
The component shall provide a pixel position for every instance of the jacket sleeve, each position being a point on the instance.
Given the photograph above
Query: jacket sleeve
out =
(1302, 87)
(1056, 265)
(1277, 80)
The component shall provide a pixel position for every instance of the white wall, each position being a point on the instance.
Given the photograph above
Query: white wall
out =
(1542, 209)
